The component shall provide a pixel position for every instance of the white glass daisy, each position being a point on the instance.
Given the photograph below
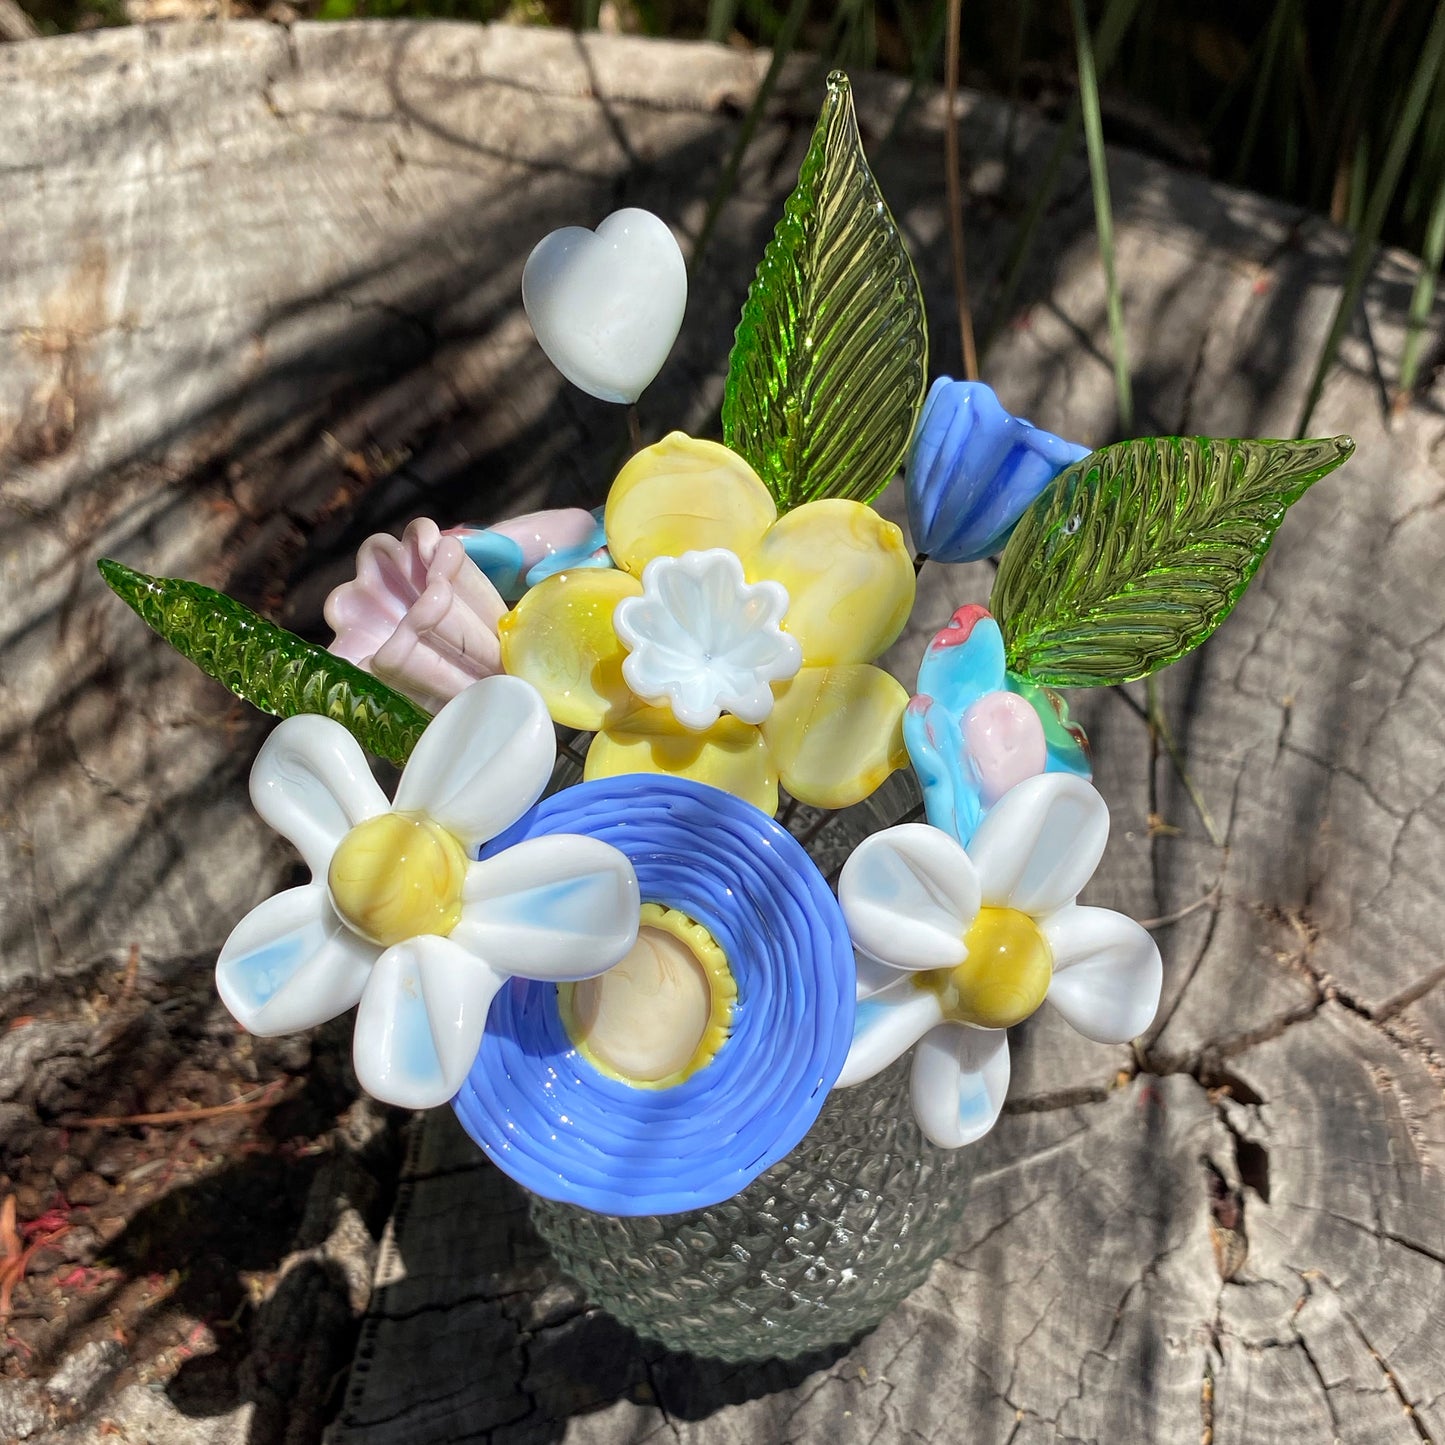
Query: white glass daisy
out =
(399, 917)
(956, 945)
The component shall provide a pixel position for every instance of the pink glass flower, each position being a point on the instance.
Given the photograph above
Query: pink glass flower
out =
(419, 614)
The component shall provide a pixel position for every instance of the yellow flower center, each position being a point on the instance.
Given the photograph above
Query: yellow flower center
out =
(1004, 978)
(398, 876)
(661, 1014)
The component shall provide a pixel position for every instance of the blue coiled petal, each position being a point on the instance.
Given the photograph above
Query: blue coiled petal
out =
(973, 469)
(563, 1129)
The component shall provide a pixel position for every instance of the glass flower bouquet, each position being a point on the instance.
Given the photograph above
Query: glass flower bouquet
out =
(582, 919)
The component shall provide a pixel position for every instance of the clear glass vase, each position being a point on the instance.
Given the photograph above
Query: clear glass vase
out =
(819, 1247)
(813, 1252)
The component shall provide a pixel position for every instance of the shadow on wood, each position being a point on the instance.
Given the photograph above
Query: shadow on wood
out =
(523, 1354)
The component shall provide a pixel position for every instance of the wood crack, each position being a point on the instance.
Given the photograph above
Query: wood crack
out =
(1392, 1382)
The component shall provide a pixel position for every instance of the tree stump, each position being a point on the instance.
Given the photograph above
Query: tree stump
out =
(260, 298)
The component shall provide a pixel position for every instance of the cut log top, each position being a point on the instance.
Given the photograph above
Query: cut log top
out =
(259, 296)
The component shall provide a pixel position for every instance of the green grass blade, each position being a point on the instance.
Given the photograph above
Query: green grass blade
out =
(1359, 182)
(1422, 299)
(1362, 254)
(1265, 90)
(727, 182)
(1353, 67)
(857, 44)
(1118, 17)
(922, 57)
(1230, 93)
(1164, 735)
(1297, 108)
(1427, 194)
(720, 17)
(267, 666)
(1103, 211)
(1023, 16)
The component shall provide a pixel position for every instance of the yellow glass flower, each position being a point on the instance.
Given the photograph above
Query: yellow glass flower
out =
(834, 730)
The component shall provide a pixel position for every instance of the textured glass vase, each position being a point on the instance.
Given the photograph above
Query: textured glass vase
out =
(815, 1250)
(818, 1248)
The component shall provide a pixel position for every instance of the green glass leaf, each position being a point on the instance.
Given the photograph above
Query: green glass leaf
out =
(827, 371)
(267, 666)
(1137, 552)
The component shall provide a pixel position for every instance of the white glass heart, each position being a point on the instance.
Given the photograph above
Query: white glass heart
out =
(607, 305)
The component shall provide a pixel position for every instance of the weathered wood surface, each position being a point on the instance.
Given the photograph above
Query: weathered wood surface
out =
(259, 296)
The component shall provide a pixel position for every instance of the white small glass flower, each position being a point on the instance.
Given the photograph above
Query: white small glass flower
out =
(956, 946)
(398, 916)
(704, 640)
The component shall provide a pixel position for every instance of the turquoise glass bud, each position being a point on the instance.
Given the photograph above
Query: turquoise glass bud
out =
(961, 726)
(973, 470)
(519, 553)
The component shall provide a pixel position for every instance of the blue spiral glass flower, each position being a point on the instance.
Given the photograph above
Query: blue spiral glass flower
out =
(973, 469)
(563, 1129)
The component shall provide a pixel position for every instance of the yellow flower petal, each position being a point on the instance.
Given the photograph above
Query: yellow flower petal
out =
(849, 578)
(730, 755)
(682, 495)
(559, 638)
(836, 733)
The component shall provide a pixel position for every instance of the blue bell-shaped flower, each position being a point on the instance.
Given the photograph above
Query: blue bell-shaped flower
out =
(973, 469)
